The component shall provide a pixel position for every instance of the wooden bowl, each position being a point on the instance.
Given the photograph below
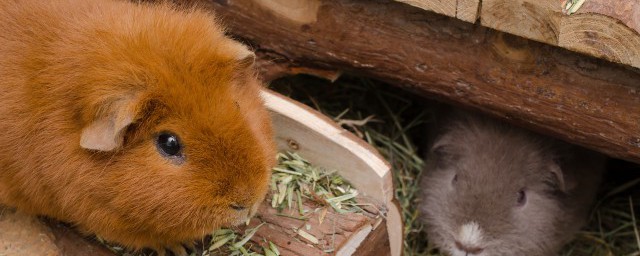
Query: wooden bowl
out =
(317, 138)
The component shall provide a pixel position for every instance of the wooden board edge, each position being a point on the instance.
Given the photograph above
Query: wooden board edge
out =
(281, 105)
(353, 244)
(395, 228)
(321, 124)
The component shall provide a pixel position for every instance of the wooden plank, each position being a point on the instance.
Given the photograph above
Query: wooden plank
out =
(371, 246)
(602, 28)
(446, 7)
(534, 19)
(338, 233)
(301, 11)
(553, 91)
(321, 142)
(607, 29)
(468, 10)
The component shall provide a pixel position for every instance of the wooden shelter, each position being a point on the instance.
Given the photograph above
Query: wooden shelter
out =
(572, 96)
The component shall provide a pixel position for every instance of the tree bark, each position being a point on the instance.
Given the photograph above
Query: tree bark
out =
(576, 98)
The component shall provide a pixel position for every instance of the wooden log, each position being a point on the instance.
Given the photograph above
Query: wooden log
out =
(601, 28)
(536, 19)
(608, 29)
(576, 98)
(468, 10)
(605, 29)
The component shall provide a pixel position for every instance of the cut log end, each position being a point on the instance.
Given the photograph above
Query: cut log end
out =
(601, 36)
(534, 20)
(606, 29)
(468, 10)
(295, 11)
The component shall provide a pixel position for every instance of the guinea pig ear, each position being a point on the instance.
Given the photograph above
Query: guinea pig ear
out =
(245, 57)
(105, 132)
(247, 61)
(558, 176)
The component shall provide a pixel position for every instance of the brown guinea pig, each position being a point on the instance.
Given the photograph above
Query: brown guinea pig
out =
(491, 189)
(140, 123)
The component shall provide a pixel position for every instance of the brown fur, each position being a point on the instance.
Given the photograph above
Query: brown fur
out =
(493, 162)
(65, 64)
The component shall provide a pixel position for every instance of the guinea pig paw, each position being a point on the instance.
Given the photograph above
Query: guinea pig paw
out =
(191, 246)
(178, 250)
(160, 252)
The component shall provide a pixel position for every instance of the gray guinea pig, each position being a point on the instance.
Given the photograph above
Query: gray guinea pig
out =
(492, 189)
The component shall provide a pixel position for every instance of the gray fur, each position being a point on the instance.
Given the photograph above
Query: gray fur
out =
(493, 161)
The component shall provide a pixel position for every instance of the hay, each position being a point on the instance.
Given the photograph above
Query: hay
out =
(395, 122)
(294, 180)
(294, 176)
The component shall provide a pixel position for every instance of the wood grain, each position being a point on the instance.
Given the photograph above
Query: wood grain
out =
(446, 7)
(468, 10)
(553, 91)
(534, 19)
(22, 234)
(300, 11)
(607, 29)
(333, 234)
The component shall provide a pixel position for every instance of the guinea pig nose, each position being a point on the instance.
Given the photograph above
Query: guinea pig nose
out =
(470, 250)
(237, 207)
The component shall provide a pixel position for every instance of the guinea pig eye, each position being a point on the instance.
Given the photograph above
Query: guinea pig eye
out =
(522, 197)
(168, 144)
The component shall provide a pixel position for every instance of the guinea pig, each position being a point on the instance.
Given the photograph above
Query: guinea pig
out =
(139, 123)
(492, 189)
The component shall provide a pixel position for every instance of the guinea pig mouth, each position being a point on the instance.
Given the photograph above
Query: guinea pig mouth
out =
(253, 210)
(240, 219)
(244, 215)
